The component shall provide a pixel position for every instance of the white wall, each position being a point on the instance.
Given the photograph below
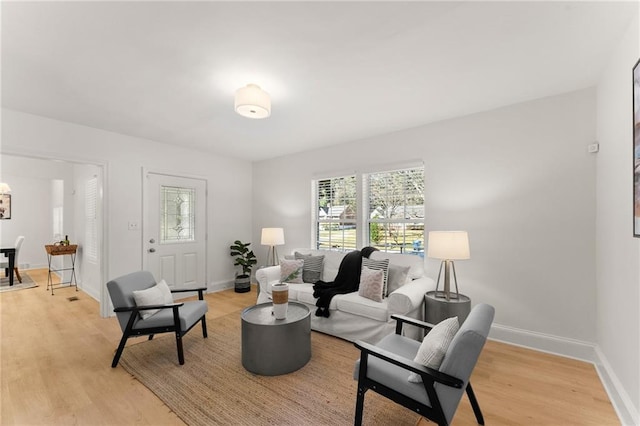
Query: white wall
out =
(618, 253)
(32, 197)
(519, 179)
(229, 204)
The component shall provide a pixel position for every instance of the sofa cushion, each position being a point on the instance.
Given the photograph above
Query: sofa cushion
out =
(304, 294)
(415, 263)
(332, 260)
(291, 271)
(312, 269)
(398, 276)
(353, 303)
(371, 284)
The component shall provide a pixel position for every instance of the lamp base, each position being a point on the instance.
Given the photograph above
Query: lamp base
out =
(448, 265)
(272, 256)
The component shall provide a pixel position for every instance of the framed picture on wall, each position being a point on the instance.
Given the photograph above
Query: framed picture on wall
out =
(636, 149)
(5, 206)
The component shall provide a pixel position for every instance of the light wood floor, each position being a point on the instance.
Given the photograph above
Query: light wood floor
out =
(55, 369)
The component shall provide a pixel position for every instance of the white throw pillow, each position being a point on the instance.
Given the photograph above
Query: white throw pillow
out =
(151, 296)
(371, 284)
(383, 265)
(398, 276)
(291, 271)
(434, 346)
(166, 292)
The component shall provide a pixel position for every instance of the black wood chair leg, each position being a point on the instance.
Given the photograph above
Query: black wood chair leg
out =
(180, 351)
(116, 358)
(359, 406)
(151, 337)
(474, 404)
(204, 327)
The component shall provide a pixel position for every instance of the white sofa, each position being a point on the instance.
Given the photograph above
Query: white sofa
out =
(354, 317)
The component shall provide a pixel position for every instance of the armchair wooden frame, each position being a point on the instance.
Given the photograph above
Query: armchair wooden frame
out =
(429, 378)
(151, 331)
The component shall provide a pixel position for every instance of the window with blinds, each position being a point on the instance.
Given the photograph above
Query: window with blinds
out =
(90, 249)
(395, 210)
(391, 217)
(336, 213)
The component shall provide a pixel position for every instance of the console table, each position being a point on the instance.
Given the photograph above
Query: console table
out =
(270, 346)
(70, 250)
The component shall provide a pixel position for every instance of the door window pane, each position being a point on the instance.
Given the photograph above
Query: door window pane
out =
(177, 214)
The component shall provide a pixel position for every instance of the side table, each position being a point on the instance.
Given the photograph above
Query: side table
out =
(271, 347)
(53, 250)
(437, 309)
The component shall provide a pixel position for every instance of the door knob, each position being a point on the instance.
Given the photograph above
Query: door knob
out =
(152, 250)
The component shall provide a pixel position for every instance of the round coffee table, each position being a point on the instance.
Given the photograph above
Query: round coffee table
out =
(271, 347)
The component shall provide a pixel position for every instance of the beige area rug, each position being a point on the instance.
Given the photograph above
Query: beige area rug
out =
(27, 282)
(212, 387)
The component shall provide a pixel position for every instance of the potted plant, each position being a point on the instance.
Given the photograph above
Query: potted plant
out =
(245, 259)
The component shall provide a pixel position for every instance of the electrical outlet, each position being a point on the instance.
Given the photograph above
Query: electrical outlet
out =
(133, 226)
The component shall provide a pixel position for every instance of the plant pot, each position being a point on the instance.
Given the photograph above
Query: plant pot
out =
(243, 283)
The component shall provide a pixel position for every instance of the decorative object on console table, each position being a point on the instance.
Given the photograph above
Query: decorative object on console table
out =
(448, 246)
(272, 237)
(245, 259)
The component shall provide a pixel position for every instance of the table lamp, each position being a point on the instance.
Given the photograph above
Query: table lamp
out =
(272, 237)
(448, 246)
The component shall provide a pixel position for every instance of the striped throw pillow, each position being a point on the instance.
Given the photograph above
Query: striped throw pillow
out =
(378, 264)
(312, 269)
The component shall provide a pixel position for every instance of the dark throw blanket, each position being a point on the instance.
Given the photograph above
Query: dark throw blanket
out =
(347, 280)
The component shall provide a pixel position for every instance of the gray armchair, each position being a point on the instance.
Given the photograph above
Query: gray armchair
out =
(386, 366)
(176, 318)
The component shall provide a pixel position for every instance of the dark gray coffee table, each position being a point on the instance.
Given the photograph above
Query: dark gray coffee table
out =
(271, 347)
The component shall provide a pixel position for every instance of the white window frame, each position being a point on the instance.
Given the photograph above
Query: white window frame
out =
(362, 220)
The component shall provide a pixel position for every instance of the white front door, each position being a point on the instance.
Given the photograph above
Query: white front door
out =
(175, 229)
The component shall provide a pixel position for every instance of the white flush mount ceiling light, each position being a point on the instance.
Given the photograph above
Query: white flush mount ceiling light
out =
(253, 102)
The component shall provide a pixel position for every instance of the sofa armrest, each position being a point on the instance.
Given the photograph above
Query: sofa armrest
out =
(266, 277)
(410, 296)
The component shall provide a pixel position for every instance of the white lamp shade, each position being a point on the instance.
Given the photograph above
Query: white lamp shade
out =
(272, 237)
(448, 245)
(4, 188)
(253, 102)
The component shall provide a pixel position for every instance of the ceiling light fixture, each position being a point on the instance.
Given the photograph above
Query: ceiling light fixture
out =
(253, 102)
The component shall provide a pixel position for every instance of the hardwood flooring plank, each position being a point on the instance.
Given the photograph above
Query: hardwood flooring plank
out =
(55, 368)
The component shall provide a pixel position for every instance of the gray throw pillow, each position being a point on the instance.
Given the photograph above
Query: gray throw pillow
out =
(312, 269)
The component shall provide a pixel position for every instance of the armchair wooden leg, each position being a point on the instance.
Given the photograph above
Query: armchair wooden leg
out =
(18, 274)
(204, 327)
(474, 404)
(359, 406)
(116, 358)
(180, 350)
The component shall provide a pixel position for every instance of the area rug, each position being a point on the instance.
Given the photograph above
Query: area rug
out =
(212, 387)
(27, 282)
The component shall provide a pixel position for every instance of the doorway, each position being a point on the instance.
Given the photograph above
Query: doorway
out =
(175, 228)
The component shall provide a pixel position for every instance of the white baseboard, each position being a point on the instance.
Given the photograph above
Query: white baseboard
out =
(214, 287)
(620, 399)
(576, 349)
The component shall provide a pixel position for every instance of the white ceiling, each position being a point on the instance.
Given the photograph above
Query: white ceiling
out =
(336, 71)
